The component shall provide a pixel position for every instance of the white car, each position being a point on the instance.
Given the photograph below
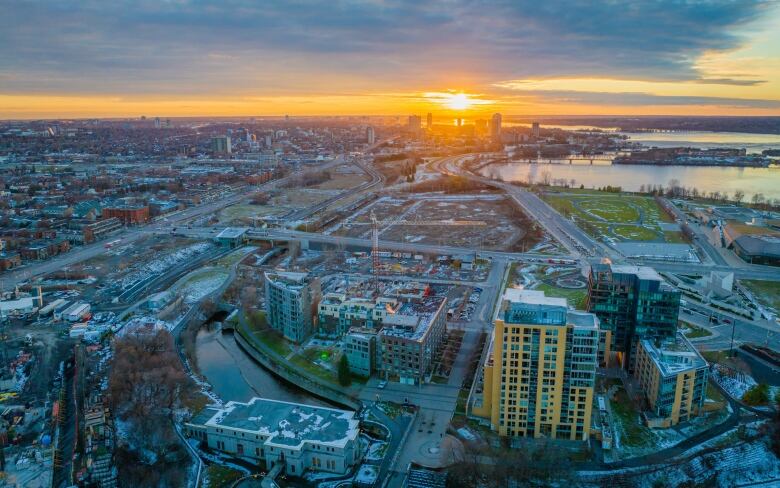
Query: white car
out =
(382, 384)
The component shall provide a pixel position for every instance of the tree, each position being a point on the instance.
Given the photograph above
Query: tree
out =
(739, 195)
(345, 377)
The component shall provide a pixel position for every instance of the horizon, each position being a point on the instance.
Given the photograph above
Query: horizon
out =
(456, 59)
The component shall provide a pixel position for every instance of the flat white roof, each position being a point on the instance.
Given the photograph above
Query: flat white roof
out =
(232, 232)
(535, 297)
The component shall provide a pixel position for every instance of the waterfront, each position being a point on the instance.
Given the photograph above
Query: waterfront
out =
(235, 376)
(630, 177)
(752, 143)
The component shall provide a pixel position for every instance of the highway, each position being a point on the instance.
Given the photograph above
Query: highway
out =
(577, 241)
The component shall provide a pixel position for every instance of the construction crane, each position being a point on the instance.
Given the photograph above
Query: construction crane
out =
(375, 223)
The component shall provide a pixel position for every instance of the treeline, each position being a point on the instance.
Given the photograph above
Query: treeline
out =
(675, 190)
(447, 184)
(308, 179)
(384, 158)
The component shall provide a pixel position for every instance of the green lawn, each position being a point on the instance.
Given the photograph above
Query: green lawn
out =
(222, 476)
(306, 361)
(258, 326)
(635, 233)
(611, 210)
(767, 292)
(675, 237)
(576, 297)
(694, 331)
(594, 211)
(715, 394)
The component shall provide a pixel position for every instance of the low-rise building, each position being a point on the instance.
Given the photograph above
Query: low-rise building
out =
(300, 437)
(232, 236)
(673, 376)
(9, 260)
(129, 214)
(410, 339)
(290, 299)
(99, 229)
(753, 243)
(337, 313)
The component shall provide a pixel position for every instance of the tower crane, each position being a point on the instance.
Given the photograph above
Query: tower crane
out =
(375, 223)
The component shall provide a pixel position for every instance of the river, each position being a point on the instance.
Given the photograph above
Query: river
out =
(631, 177)
(235, 376)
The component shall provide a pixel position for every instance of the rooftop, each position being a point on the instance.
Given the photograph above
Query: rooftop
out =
(232, 232)
(658, 250)
(289, 279)
(533, 297)
(674, 355)
(288, 424)
(642, 272)
(412, 320)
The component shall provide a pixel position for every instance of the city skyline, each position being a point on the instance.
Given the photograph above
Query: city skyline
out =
(376, 58)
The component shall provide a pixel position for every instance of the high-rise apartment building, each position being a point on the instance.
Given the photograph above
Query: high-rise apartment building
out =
(370, 135)
(633, 302)
(289, 302)
(535, 129)
(415, 123)
(221, 145)
(538, 380)
(429, 121)
(495, 128)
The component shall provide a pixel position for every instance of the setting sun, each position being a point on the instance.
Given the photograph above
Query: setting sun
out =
(459, 101)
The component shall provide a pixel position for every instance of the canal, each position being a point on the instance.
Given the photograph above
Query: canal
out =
(233, 375)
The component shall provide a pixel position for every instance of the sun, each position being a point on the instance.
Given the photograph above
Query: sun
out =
(459, 101)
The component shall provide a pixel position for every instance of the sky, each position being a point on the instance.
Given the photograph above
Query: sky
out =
(97, 58)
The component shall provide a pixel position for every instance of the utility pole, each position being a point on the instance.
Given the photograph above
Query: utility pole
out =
(733, 329)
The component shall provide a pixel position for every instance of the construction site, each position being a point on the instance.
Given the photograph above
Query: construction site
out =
(488, 222)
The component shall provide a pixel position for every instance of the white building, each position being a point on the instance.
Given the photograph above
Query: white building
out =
(288, 300)
(303, 437)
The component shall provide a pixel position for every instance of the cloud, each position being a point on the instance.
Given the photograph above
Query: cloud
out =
(729, 81)
(629, 99)
(293, 47)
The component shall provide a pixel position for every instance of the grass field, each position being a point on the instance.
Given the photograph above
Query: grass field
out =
(576, 296)
(310, 360)
(767, 292)
(615, 216)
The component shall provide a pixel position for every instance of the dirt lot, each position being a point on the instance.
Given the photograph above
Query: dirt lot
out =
(49, 348)
(343, 178)
(300, 198)
(505, 227)
(242, 214)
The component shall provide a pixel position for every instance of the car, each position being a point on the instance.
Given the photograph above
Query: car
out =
(382, 384)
